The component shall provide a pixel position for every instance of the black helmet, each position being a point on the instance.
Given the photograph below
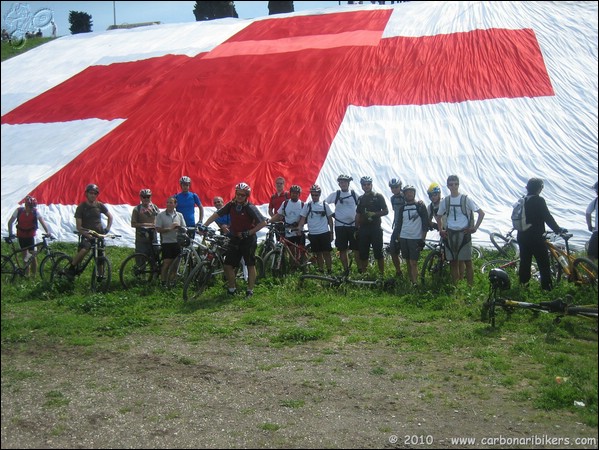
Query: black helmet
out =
(92, 188)
(499, 279)
(366, 180)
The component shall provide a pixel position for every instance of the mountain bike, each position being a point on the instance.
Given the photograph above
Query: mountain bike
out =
(477, 252)
(13, 265)
(435, 268)
(315, 281)
(141, 269)
(286, 257)
(101, 274)
(578, 270)
(499, 280)
(270, 241)
(189, 257)
(506, 244)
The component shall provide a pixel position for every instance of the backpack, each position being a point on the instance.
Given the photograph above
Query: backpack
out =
(468, 213)
(353, 194)
(320, 213)
(519, 215)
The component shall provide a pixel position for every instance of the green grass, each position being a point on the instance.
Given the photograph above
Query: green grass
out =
(10, 50)
(524, 353)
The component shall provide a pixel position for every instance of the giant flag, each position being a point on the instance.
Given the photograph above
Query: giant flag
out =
(493, 92)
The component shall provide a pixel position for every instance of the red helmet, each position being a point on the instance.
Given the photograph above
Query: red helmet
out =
(31, 201)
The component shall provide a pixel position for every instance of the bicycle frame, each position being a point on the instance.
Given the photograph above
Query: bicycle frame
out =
(13, 263)
(581, 271)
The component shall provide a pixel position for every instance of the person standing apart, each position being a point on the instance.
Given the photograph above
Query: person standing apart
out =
(592, 209)
(277, 199)
(143, 219)
(319, 217)
(456, 221)
(186, 203)
(532, 241)
(246, 221)
(371, 207)
(27, 218)
(167, 224)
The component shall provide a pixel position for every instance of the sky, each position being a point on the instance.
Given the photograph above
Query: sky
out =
(103, 13)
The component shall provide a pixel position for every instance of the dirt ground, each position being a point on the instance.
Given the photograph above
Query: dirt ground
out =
(164, 393)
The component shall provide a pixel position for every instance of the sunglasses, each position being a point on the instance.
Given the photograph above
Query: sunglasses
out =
(241, 194)
(453, 184)
(146, 196)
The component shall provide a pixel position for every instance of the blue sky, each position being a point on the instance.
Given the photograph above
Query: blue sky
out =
(103, 13)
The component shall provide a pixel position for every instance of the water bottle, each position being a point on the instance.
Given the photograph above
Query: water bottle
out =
(563, 260)
(27, 257)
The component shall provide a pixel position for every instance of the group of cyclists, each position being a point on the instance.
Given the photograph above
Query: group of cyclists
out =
(351, 220)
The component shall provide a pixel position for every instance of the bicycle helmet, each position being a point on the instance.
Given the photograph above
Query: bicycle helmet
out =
(365, 180)
(394, 182)
(344, 177)
(433, 189)
(499, 279)
(31, 201)
(92, 188)
(145, 193)
(184, 179)
(295, 188)
(315, 188)
(244, 187)
(408, 187)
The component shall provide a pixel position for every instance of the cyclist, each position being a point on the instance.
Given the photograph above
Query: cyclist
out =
(168, 223)
(412, 226)
(278, 197)
(458, 211)
(531, 241)
(246, 221)
(186, 203)
(27, 218)
(371, 207)
(434, 194)
(319, 217)
(592, 209)
(88, 217)
(143, 219)
(345, 201)
(397, 201)
(290, 212)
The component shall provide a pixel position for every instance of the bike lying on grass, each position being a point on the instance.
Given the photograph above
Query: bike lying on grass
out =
(499, 280)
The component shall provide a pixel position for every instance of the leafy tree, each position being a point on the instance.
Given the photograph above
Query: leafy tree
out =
(81, 22)
(214, 10)
(280, 7)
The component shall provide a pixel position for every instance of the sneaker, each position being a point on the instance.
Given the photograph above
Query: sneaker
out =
(99, 279)
(231, 292)
(249, 293)
(70, 273)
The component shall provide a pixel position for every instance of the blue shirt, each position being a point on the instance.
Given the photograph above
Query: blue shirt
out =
(186, 202)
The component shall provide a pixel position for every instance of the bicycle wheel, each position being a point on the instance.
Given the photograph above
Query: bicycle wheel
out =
(100, 281)
(179, 270)
(585, 272)
(47, 264)
(61, 274)
(433, 269)
(583, 311)
(275, 264)
(507, 247)
(9, 271)
(198, 280)
(477, 252)
(136, 270)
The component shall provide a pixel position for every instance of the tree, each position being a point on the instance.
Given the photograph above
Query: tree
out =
(214, 10)
(279, 7)
(81, 22)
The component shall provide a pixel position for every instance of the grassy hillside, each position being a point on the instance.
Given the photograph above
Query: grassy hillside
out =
(9, 49)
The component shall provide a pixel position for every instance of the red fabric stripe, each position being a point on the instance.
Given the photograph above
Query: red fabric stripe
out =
(252, 118)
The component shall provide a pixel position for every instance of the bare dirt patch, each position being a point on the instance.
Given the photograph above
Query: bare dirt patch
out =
(165, 393)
